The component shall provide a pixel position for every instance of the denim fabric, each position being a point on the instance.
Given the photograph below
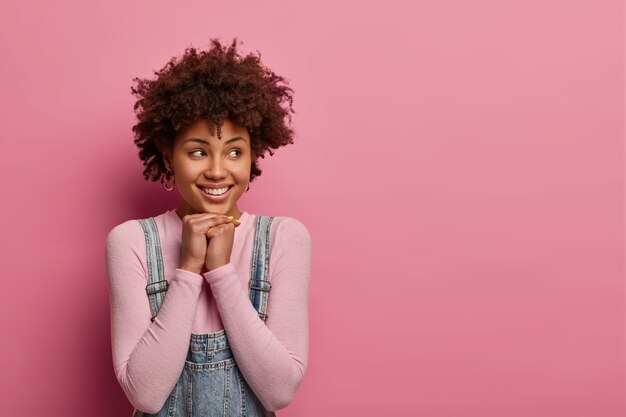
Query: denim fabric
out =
(210, 384)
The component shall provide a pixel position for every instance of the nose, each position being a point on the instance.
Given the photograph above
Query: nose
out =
(216, 168)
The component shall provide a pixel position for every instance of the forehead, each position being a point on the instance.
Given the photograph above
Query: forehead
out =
(200, 130)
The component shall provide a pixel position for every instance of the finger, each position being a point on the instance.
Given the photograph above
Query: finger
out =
(201, 222)
(205, 223)
(202, 216)
(218, 230)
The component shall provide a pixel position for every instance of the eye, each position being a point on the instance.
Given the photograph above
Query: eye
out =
(195, 151)
(235, 150)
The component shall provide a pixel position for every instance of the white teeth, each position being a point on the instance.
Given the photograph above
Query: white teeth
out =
(215, 191)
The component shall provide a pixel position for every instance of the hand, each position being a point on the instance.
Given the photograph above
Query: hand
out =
(197, 229)
(220, 245)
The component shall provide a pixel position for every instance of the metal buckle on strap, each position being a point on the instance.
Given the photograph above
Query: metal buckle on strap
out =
(265, 285)
(157, 287)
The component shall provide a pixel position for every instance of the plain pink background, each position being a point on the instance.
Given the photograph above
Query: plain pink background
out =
(458, 163)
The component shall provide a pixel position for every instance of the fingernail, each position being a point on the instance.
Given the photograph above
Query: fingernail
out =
(230, 217)
(237, 220)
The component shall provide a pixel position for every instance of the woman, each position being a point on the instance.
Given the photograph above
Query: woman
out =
(209, 303)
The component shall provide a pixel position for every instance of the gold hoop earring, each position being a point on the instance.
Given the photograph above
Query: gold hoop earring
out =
(173, 180)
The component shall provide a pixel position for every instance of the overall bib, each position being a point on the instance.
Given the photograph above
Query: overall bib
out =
(210, 384)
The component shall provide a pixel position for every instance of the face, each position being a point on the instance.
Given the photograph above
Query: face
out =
(210, 173)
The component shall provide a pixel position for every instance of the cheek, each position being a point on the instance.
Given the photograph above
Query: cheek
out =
(242, 174)
(185, 172)
(243, 169)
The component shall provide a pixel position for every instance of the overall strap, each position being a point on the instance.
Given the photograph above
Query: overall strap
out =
(260, 267)
(157, 284)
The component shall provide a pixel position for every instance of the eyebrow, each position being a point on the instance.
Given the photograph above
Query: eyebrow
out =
(236, 138)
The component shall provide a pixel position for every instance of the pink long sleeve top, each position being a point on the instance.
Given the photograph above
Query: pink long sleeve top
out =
(148, 357)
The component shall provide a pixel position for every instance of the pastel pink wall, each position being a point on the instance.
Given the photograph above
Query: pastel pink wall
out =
(458, 163)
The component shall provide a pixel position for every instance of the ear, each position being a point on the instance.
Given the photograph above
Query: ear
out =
(167, 158)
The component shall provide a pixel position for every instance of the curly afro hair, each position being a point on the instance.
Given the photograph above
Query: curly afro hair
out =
(216, 84)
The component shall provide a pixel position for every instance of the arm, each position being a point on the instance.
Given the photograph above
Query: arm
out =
(272, 357)
(148, 357)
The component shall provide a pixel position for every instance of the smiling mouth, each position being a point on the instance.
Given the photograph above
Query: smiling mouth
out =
(215, 192)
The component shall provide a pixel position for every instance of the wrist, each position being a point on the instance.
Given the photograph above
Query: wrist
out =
(210, 268)
(191, 268)
(213, 268)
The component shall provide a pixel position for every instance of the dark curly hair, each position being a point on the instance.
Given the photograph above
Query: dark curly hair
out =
(213, 85)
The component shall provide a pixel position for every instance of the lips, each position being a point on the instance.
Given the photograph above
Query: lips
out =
(216, 198)
(222, 185)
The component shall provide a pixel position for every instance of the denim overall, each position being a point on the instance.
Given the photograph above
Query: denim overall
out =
(210, 384)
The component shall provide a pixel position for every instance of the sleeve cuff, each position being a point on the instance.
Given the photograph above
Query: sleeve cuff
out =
(220, 273)
(188, 276)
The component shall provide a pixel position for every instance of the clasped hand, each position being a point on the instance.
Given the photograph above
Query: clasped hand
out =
(207, 241)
